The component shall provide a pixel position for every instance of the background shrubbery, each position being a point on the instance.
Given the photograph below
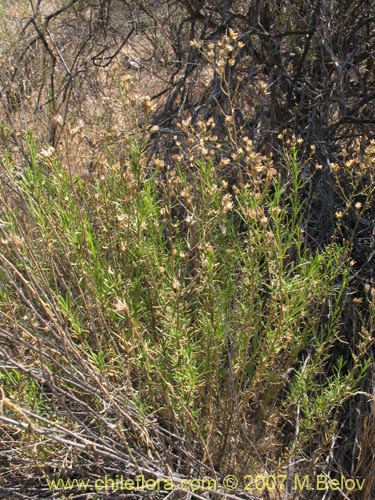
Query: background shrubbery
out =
(186, 241)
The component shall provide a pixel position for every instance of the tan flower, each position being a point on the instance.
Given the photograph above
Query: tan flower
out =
(226, 203)
(120, 306)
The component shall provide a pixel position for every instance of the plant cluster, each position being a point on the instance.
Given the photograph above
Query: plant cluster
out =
(186, 277)
(159, 303)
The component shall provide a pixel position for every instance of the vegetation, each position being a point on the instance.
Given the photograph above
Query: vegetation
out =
(186, 280)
